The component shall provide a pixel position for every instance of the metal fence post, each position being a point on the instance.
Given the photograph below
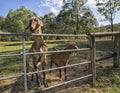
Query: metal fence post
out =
(24, 62)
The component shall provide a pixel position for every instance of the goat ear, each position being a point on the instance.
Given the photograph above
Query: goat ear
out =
(36, 19)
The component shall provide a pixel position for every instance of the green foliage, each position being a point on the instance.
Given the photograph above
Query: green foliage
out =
(16, 21)
(2, 20)
(49, 20)
(74, 18)
(117, 27)
(108, 9)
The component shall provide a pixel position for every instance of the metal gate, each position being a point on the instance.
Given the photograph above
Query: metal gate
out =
(22, 53)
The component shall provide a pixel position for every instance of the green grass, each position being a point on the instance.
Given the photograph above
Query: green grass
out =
(14, 64)
(105, 45)
(108, 81)
(11, 64)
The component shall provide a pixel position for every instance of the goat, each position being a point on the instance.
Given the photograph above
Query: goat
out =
(61, 59)
(39, 45)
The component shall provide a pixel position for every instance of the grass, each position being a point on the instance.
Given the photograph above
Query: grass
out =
(14, 64)
(105, 45)
(8, 63)
(108, 81)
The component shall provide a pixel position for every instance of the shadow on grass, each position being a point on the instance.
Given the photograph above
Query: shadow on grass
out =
(17, 86)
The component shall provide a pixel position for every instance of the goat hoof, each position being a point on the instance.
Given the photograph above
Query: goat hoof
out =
(31, 79)
(50, 71)
(60, 79)
(38, 83)
(46, 85)
(65, 78)
(27, 80)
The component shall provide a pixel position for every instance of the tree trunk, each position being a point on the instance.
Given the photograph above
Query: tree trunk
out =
(112, 27)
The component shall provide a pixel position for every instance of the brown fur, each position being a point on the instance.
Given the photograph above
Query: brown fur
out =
(39, 45)
(61, 59)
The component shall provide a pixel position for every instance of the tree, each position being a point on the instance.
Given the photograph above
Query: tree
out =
(108, 8)
(2, 21)
(88, 21)
(76, 17)
(49, 20)
(64, 21)
(17, 20)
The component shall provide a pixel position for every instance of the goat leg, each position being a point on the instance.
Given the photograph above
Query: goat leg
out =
(44, 79)
(50, 66)
(37, 78)
(32, 77)
(60, 74)
(65, 73)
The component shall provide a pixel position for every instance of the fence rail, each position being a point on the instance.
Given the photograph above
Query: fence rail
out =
(73, 80)
(29, 34)
(82, 63)
(92, 50)
(24, 53)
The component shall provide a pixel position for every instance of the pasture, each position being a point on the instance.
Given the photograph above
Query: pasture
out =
(13, 65)
(108, 79)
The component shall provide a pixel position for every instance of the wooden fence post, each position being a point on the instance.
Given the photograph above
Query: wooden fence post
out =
(117, 51)
(93, 56)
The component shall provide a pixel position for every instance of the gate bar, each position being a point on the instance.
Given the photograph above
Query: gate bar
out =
(72, 50)
(9, 77)
(106, 57)
(21, 74)
(59, 67)
(104, 34)
(8, 55)
(24, 62)
(30, 34)
(70, 81)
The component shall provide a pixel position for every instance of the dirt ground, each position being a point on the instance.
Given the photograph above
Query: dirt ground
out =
(17, 85)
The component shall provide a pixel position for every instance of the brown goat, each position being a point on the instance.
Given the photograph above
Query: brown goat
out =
(61, 59)
(39, 45)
